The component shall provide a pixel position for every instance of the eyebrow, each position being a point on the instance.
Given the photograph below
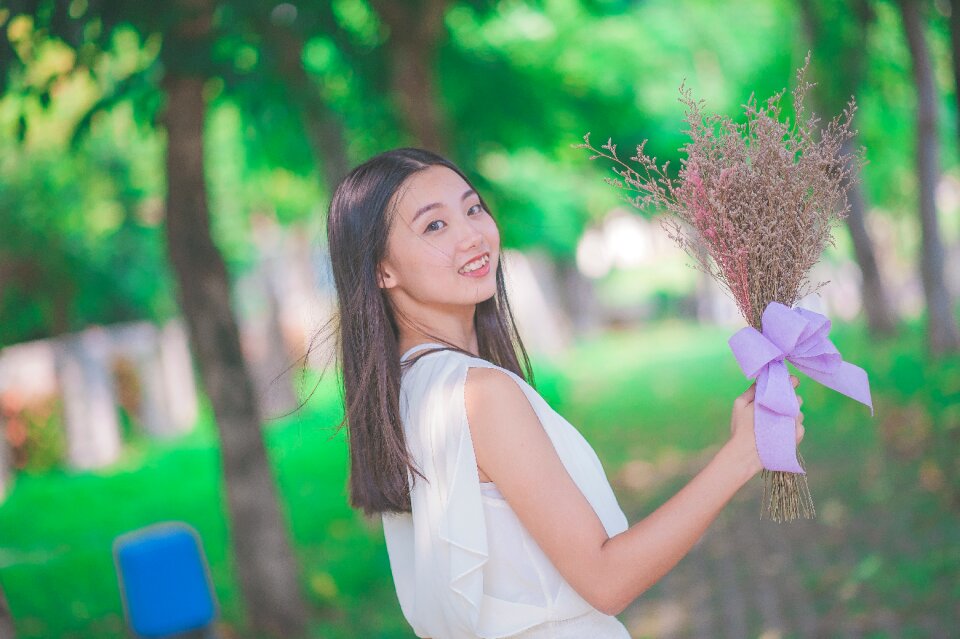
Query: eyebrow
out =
(434, 205)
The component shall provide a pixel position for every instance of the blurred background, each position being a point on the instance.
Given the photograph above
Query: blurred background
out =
(165, 169)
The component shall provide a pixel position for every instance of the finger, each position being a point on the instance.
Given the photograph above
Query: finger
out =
(800, 433)
(794, 380)
(749, 394)
(799, 400)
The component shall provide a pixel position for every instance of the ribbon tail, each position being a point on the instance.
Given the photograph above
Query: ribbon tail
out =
(847, 379)
(775, 392)
(776, 440)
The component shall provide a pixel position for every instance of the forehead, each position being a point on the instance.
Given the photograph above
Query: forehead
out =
(435, 184)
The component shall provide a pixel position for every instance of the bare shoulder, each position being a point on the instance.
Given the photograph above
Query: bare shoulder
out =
(501, 419)
(484, 385)
(514, 449)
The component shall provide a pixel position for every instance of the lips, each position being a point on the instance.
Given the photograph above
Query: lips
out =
(473, 259)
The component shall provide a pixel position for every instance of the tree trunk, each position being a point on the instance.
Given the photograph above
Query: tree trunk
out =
(261, 550)
(6, 458)
(323, 126)
(415, 32)
(881, 319)
(578, 296)
(6, 617)
(942, 334)
(955, 48)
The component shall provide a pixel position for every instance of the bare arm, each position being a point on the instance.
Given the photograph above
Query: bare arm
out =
(609, 572)
(655, 544)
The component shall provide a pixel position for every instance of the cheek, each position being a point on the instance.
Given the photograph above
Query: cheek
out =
(430, 264)
(492, 232)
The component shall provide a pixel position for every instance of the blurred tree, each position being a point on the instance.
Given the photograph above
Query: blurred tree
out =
(7, 631)
(281, 32)
(837, 32)
(955, 49)
(79, 239)
(416, 30)
(265, 561)
(189, 57)
(942, 333)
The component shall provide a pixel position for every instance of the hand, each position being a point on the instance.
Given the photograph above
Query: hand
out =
(742, 438)
(799, 422)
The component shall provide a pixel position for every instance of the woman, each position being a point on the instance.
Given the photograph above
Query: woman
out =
(498, 517)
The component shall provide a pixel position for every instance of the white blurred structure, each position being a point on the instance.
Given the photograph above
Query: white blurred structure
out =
(281, 303)
(177, 368)
(81, 367)
(89, 398)
(532, 292)
(625, 240)
(258, 298)
(167, 402)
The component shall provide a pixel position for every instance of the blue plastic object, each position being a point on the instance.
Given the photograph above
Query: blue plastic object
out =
(164, 580)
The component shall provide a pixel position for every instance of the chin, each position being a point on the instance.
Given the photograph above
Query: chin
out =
(476, 296)
(484, 298)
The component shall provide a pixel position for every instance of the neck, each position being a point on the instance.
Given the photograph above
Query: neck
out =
(454, 326)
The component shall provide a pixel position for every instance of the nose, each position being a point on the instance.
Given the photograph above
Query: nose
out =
(472, 237)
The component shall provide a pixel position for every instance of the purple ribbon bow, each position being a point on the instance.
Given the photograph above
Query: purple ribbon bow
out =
(798, 335)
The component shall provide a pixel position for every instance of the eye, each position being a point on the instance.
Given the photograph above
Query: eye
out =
(430, 227)
(478, 208)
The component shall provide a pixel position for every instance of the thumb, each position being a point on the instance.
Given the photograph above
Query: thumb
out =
(748, 395)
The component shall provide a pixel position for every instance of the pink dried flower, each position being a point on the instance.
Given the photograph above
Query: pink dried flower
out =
(753, 204)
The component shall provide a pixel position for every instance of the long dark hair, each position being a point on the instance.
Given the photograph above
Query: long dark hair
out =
(358, 223)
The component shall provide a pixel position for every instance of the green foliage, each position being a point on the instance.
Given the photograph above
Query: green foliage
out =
(887, 107)
(80, 236)
(525, 81)
(518, 83)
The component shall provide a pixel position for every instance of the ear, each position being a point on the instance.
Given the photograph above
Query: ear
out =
(385, 277)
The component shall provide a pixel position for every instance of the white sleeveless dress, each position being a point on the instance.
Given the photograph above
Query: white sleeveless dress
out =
(463, 565)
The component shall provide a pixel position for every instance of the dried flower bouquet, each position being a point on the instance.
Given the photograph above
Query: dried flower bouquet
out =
(754, 205)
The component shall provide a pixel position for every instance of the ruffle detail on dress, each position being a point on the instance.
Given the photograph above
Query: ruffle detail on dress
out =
(462, 524)
(463, 527)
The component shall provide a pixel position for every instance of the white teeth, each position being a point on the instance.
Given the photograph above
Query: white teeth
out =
(472, 266)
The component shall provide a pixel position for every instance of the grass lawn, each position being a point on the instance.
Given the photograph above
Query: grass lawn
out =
(650, 394)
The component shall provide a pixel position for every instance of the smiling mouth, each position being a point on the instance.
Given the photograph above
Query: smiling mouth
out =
(475, 265)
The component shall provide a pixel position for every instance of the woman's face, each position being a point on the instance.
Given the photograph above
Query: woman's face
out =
(440, 227)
